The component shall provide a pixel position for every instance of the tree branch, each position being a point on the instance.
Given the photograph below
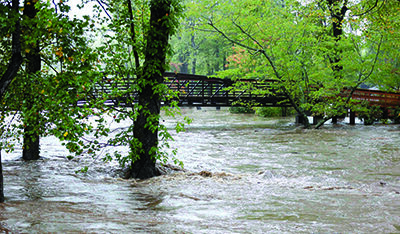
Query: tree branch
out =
(133, 36)
(370, 9)
(231, 40)
(104, 9)
(247, 34)
(375, 60)
(361, 80)
(48, 64)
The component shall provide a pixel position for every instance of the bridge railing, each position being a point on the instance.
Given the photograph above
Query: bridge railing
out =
(377, 97)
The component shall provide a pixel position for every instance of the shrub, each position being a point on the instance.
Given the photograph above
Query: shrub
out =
(395, 113)
(274, 111)
(369, 114)
(241, 109)
(269, 111)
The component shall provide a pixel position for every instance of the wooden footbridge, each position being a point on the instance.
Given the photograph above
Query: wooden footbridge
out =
(377, 97)
(196, 90)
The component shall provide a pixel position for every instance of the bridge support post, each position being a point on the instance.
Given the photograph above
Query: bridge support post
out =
(334, 119)
(299, 119)
(316, 119)
(385, 113)
(352, 117)
(284, 111)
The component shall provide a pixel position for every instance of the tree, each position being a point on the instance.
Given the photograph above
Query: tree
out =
(46, 98)
(303, 47)
(13, 64)
(136, 42)
(149, 99)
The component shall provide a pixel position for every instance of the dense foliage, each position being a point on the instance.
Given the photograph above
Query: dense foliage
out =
(313, 50)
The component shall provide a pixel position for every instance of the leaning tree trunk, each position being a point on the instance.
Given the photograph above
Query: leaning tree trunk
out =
(30, 150)
(13, 66)
(146, 125)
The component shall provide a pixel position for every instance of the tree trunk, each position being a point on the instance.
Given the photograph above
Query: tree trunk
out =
(30, 150)
(12, 69)
(145, 128)
(338, 14)
(184, 68)
(1, 181)
(183, 56)
(194, 64)
(194, 61)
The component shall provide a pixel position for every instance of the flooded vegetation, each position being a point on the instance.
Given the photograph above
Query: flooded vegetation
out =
(243, 174)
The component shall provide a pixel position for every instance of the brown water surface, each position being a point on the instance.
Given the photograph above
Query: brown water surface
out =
(262, 175)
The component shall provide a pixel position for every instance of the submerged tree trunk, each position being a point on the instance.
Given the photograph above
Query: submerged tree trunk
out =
(30, 150)
(145, 129)
(12, 69)
(31, 145)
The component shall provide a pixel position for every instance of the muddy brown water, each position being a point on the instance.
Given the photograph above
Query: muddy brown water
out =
(244, 174)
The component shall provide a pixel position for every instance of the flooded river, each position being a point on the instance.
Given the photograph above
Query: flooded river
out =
(244, 174)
